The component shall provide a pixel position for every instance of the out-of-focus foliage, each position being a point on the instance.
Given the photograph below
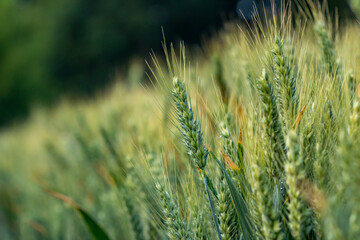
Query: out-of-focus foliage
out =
(76, 46)
(355, 4)
(23, 50)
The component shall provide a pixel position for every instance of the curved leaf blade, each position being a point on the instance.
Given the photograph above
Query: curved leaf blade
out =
(239, 203)
(96, 231)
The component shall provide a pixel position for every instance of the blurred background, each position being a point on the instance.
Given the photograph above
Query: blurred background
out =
(52, 48)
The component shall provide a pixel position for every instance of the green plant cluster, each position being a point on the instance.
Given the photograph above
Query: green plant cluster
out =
(263, 144)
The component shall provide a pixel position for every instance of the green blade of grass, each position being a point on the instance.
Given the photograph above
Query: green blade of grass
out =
(95, 230)
(212, 206)
(211, 187)
(239, 203)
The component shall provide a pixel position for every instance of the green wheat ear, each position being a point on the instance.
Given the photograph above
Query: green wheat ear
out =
(193, 141)
(191, 129)
(273, 128)
(329, 56)
(135, 218)
(285, 83)
(269, 224)
(176, 227)
(294, 174)
(225, 209)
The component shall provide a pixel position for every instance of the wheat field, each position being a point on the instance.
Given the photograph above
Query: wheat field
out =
(255, 136)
